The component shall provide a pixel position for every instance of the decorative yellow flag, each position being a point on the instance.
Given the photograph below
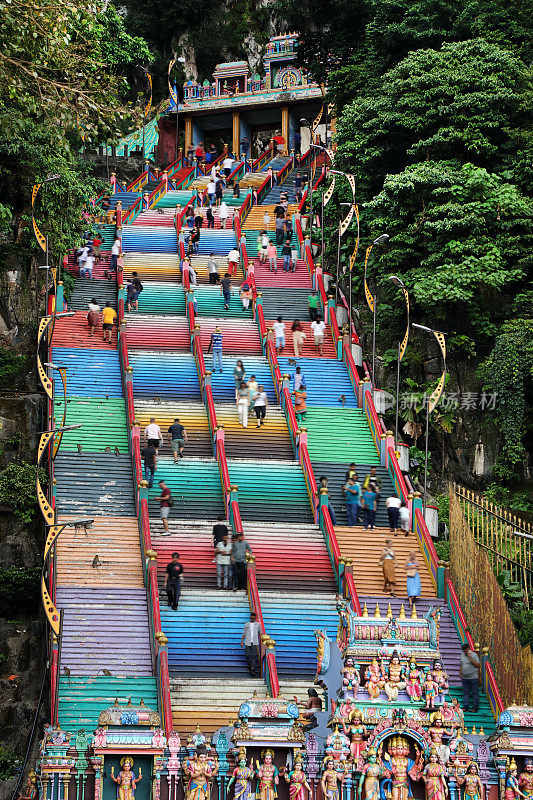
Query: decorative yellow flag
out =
(354, 254)
(437, 392)
(149, 105)
(346, 222)
(329, 192)
(172, 91)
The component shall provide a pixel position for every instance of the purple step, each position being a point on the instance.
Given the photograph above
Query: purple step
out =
(105, 629)
(450, 646)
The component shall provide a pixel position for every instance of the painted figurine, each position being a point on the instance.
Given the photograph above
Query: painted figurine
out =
(242, 777)
(297, 781)
(126, 780)
(350, 679)
(400, 768)
(430, 690)
(30, 789)
(268, 775)
(436, 732)
(413, 682)
(200, 772)
(525, 781)
(374, 679)
(434, 776)
(512, 787)
(330, 780)
(439, 676)
(471, 781)
(370, 775)
(394, 682)
(357, 733)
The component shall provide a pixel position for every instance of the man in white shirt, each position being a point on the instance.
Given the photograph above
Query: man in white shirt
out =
(250, 642)
(279, 332)
(318, 327)
(393, 504)
(211, 189)
(152, 434)
(115, 252)
(212, 267)
(227, 165)
(223, 559)
(87, 269)
(233, 261)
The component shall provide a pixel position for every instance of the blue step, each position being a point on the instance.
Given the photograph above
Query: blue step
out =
(149, 239)
(326, 380)
(90, 373)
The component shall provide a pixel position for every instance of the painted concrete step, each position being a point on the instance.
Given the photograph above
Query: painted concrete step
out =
(82, 699)
(85, 290)
(264, 278)
(271, 491)
(210, 703)
(74, 332)
(291, 620)
(240, 337)
(307, 349)
(103, 423)
(326, 381)
(335, 472)
(94, 484)
(195, 486)
(105, 629)
(204, 634)
(91, 372)
(193, 416)
(365, 547)
(115, 540)
(169, 298)
(339, 434)
(271, 441)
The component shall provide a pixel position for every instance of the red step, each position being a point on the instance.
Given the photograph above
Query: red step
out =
(308, 347)
(240, 337)
(290, 280)
(74, 332)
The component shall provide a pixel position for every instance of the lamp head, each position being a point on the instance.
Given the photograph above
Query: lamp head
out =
(305, 122)
(397, 281)
(383, 239)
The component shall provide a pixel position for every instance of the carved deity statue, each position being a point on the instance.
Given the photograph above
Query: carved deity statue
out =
(439, 676)
(413, 680)
(357, 733)
(512, 787)
(242, 777)
(200, 773)
(330, 780)
(268, 775)
(126, 780)
(525, 781)
(370, 775)
(434, 776)
(400, 768)
(394, 682)
(299, 789)
(374, 679)
(473, 788)
(350, 679)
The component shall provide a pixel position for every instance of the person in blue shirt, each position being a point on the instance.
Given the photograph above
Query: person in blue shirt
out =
(352, 493)
(369, 503)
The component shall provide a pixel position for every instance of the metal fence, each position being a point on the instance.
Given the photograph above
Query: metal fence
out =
(485, 609)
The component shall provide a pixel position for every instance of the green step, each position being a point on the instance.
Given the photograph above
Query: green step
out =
(270, 491)
(339, 435)
(195, 486)
(107, 233)
(173, 198)
(82, 700)
(167, 298)
(484, 716)
(103, 422)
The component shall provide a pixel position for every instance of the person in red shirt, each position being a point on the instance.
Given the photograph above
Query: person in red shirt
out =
(97, 242)
(199, 152)
(164, 503)
(279, 142)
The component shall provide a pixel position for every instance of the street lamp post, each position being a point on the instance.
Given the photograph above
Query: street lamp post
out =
(146, 106)
(434, 397)
(174, 95)
(401, 350)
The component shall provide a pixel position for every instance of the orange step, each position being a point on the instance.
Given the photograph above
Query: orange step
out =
(364, 548)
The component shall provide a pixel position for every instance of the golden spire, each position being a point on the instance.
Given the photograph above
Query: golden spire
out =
(413, 612)
(377, 612)
(402, 612)
(365, 611)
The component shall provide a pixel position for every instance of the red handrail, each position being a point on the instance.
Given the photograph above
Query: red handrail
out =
(226, 483)
(255, 603)
(452, 592)
(425, 533)
(304, 453)
(293, 425)
(351, 591)
(263, 155)
(494, 687)
(350, 363)
(129, 402)
(401, 482)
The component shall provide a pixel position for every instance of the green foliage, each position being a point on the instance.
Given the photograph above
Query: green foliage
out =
(442, 548)
(9, 763)
(464, 102)
(20, 590)
(12, 365)
(509, 371)
(503, 496)
(460, 237)
(17, 489)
